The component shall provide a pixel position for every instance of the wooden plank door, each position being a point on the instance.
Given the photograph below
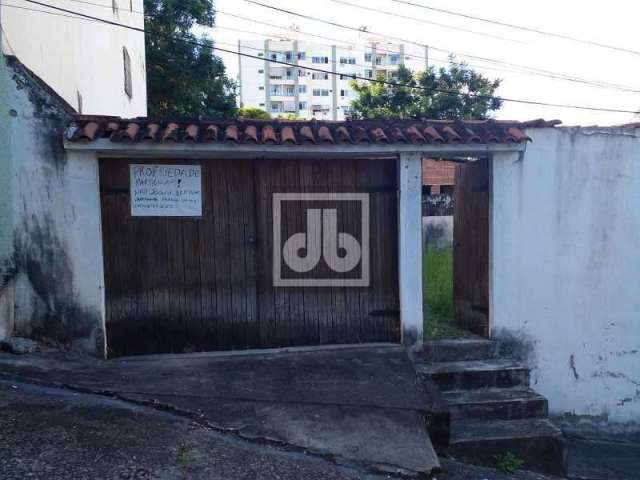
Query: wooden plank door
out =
(471, 247)
(295, 315)
(181, 284)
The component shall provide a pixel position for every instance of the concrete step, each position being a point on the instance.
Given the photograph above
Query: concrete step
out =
(474, 374)
(496, 404)
(458, 349)
(536, 441)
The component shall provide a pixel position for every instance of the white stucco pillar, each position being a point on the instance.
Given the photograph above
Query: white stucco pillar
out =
(501, 208)
(410, 248)
(84, 243)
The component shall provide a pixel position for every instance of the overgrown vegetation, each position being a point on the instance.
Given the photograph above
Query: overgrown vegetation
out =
(437, 282)
(254, 113)
(437, 277)
(508, 462)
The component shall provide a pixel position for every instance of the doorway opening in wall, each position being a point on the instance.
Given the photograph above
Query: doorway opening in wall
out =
(455, 234)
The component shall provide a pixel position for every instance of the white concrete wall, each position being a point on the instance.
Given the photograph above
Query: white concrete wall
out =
(54, 235)
(77, 55)
(566, 267)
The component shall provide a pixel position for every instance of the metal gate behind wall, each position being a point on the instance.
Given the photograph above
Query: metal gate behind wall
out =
(194, 284)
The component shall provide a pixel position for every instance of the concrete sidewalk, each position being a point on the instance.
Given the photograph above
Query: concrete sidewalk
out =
(360, 406)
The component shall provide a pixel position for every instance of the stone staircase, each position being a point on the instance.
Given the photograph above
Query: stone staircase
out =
(492, 410)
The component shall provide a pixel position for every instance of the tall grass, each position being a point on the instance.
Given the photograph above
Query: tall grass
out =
(437, 279)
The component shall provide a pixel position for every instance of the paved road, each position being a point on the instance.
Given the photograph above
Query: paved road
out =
(51, 434)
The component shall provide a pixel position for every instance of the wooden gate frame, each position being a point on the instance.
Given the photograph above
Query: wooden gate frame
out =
(87, 255)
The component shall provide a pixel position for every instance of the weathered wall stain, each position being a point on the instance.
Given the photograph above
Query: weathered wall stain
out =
(47, 308)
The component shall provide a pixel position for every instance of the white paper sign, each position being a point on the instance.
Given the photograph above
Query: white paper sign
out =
(166, 190)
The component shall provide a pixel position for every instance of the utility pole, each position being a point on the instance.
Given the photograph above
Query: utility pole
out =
(334, 85)
(426, 58)
(296, 92)
(402, 54)
(267, 77)
(239, 75)
(373, 60)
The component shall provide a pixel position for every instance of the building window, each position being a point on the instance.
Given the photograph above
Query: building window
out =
(367, 57)
(261, 104)
(342, 93)
(368, 73)
(320, 76)
(350, 76)
(302, 55)
(274, 56)
(261, 71)
(378, 60)
(302, 106)
(114, 6)
(347, 60)
(260, 54)
(261, 87)
(302, 89)
(320, 92)
(288, 56)
(320, 60)
(127, 72)
(394, 58)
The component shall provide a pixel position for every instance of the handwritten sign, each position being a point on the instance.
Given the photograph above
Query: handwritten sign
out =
(166, 190)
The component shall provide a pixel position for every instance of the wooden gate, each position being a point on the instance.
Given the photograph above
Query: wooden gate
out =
(195, 284)
(471, 246)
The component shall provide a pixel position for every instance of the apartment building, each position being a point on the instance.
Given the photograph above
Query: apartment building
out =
(299, 84)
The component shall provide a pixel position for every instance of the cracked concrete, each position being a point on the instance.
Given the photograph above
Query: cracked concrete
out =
(362, 406)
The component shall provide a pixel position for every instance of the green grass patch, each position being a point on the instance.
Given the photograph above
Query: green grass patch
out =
(437, 282)
(437, 279)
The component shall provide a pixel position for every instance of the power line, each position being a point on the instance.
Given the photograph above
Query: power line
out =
(537, 71)
(519, 69)
(520, 27)
(355, 77)
(429, 22)
(444, 61)
(516, 69)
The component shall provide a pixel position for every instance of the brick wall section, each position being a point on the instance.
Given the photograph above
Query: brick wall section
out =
(437, 173)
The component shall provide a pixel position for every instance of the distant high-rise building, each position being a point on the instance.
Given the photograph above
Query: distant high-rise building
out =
(294, 87)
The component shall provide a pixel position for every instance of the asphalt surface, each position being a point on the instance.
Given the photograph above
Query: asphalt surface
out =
(50, 433)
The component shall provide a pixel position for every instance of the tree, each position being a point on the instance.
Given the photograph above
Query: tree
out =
(184, 78)
(453, 92)
(254, 113)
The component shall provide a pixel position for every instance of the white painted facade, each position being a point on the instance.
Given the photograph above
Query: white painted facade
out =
(82, 60)
(283, 89)
(565, 268)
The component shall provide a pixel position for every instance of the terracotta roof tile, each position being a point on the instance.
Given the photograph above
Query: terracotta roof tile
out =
(191, 132)
(250, 134)
(288, 136)
(212, 133)
(269, 135)
(277, 132)
(171, 132)
(325, 135)
(231, 134)
(306, 134)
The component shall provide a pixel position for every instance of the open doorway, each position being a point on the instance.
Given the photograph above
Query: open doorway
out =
(455, 226)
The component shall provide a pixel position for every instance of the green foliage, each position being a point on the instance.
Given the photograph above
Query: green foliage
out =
(254, 113)
(439, 95)
(508, 462)
(437, 276)
(184, 78)
(291, 116)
